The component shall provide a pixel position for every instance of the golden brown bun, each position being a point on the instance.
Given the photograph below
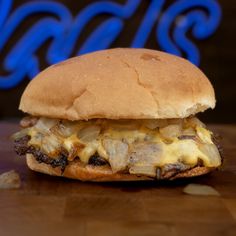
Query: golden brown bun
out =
(119, 83)
(76, 170)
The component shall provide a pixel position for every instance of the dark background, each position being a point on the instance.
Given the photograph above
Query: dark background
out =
(217, 57)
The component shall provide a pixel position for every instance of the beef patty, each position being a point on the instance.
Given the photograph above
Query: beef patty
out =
(22, 148)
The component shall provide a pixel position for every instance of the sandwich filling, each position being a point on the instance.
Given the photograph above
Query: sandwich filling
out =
(140, 147)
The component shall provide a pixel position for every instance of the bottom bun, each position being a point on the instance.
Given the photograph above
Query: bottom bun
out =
(76, 170)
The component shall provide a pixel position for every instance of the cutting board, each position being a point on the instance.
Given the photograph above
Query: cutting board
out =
(46, 205)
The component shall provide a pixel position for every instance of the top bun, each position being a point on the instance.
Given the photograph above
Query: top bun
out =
(121, 83)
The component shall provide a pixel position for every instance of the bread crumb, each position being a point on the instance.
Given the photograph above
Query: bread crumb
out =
(10, 180)
(200, 189)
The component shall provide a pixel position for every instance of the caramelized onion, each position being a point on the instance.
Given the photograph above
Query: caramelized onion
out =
(194, 122)
(10, 180)
(45, 124)
(200, 189)
(146, 154)
(51, 144)
(204, 135)
(28, 121)
(117, 154)
(36, 139)
(189, 131)
(20, 134)
(171, 131)
(60, 129)
(89, 133)
(68, 128)
(212, 152)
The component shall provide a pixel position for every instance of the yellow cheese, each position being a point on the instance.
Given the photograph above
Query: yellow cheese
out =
(129, 136)
(101, 151)
(69, 142)
(185, 150)
(35, 140)
(89, 150)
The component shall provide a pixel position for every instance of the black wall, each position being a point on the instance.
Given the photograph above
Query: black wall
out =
(217, 57)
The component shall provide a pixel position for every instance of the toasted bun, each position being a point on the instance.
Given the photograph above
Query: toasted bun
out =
(119, 83)
(76, 170)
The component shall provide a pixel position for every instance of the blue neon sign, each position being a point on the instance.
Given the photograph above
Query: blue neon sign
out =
(200, 17)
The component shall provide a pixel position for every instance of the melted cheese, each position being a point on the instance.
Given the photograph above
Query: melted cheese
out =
(88, 151)
(70, 142)
(129, 136)
(186, 151)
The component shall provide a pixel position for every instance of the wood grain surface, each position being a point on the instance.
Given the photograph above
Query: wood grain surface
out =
(46, 205)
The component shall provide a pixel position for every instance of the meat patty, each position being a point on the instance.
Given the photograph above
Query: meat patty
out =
(96, 160)
(21, 145)
(60, 161)
(21, 148)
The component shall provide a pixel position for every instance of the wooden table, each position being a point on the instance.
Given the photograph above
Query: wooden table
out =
(47, 205)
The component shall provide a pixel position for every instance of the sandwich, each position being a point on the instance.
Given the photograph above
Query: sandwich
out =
(118, 115)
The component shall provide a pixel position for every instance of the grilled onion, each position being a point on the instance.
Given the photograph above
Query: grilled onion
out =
(200, 189)
(204, 135)
(171, 131)
(44, 124)
(61, 130)
(194, 122)
(212, 152)
(67, 128)
(117, 154)
(146, 154)
(89, 133)
(20, 134)
(51, 144)
(36, 140)
(189, 131)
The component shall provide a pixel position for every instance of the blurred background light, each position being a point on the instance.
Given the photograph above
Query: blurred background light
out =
(200, 18)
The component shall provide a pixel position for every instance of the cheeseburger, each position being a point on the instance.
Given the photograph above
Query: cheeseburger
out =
(118, 114)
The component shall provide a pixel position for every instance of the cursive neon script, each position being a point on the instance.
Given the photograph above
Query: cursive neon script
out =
(200, 17)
